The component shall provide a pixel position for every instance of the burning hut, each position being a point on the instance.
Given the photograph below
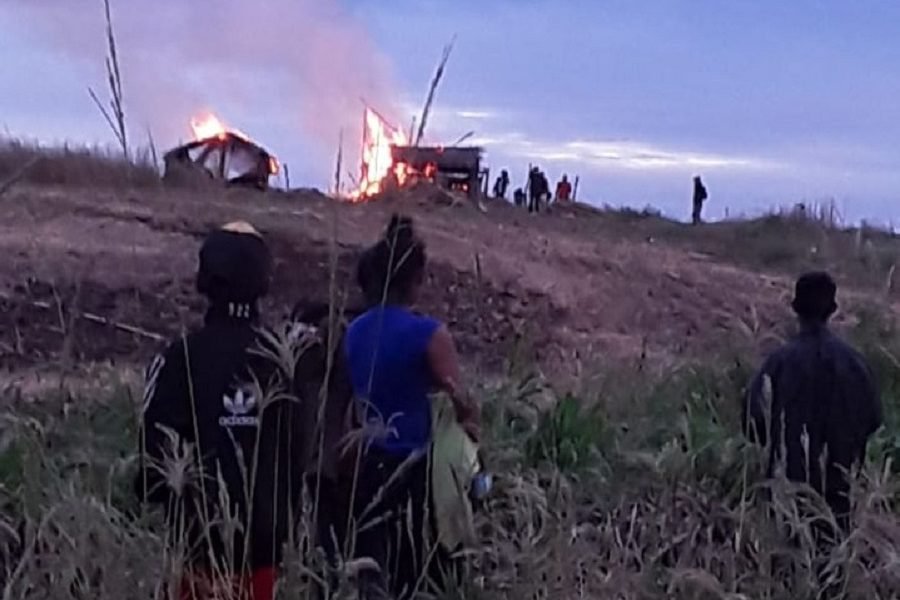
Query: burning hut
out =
(389, 161)
(220, 154)
(457, 169)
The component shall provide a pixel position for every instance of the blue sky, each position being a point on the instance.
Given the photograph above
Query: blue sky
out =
(772, 102)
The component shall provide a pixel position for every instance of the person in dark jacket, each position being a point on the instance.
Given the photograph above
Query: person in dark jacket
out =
(501, 185)
(321, 373)
(396, 358)
(824, 402)
(699, 198)
(519, 197)
(535, 189)
(214, 395)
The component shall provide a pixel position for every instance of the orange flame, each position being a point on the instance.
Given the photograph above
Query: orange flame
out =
(209, 126)
(376, 155)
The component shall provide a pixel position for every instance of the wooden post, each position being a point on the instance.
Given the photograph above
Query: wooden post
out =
(575, 189)
(528, 181)
(337, 168)
(287, 177)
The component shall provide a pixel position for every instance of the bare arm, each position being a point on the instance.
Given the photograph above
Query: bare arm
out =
(444, 362)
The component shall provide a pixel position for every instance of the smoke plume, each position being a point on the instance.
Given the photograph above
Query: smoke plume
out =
(296, 67)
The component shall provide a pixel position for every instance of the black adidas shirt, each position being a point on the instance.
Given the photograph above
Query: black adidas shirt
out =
(219, 389)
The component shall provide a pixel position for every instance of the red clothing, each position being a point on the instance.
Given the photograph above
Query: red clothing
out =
(259, 585)
(564, 191)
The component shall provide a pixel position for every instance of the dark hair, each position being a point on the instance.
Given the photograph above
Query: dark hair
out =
(814, 296)
(394, 265)
(235, 265)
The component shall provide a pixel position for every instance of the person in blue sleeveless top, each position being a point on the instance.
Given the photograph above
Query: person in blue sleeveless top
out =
(396, 358)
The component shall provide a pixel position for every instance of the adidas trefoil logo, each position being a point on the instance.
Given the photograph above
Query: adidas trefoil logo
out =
(239, 405)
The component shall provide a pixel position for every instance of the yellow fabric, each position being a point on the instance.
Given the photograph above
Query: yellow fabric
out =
(454, 462)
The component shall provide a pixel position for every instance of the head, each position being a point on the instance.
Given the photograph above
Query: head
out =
(235, 265)
(393, 269)
(504, 174)
(697, 180)
(814, 297)
(565, 178)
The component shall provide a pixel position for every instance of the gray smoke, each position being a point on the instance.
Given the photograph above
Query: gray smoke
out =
(299, 67)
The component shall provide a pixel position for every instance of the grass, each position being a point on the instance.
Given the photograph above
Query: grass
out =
(784, 241)
(634, 484)
(75, 166)
(645, 490)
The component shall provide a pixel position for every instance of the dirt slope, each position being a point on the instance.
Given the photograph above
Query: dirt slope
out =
(556, 282)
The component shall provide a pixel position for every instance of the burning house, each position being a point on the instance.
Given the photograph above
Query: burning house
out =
(389, 161)
(457, 169)
(221, 154)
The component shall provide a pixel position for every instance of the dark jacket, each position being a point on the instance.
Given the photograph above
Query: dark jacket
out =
(824, 396)
(321, 375)
(699, 193)
(248, 439)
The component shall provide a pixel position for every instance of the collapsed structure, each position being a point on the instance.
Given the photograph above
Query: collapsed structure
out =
(455, 169)
(220, 154)
(390, 162)
(391, 159)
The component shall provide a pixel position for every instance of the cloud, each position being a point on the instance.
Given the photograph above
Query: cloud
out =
(478, 115)
(617, 154)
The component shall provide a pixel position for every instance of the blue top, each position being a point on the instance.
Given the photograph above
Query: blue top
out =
(387, 357)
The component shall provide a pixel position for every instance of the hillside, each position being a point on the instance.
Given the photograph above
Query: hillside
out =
(573, 287)
(608, 350)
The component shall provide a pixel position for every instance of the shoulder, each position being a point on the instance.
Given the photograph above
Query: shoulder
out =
(426, 326)
(847, 353)
(173, 354)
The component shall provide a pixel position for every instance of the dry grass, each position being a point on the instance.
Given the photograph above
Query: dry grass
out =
(632, 490)
(785, 241)
(638, 486)
(74, 166)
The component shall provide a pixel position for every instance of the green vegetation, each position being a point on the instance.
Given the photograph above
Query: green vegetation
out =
(632, 490)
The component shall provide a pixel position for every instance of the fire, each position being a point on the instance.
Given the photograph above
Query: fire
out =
(209, 126)
(378, 137)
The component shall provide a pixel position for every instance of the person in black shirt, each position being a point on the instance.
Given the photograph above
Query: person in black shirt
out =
(699, 198)
(501, 185)
(215, 395)
(824, 401)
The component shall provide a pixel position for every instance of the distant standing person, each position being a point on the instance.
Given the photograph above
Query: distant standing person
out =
(700, 197)
(564, 190)
(544, 195)
(534, 190)
(501, 185)
(824, 402)
(519, 197)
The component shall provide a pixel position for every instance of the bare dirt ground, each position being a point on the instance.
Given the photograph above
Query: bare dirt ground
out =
(559, 284)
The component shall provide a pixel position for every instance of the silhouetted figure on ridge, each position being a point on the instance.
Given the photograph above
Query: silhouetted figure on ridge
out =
(700, 197)
(501, 185)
